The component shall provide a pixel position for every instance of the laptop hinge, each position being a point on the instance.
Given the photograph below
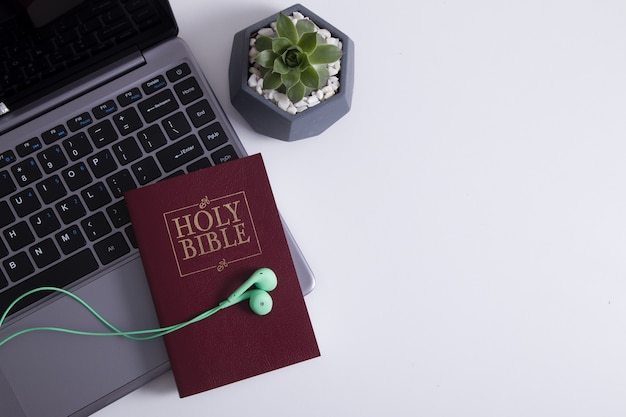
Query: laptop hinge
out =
(120, 65)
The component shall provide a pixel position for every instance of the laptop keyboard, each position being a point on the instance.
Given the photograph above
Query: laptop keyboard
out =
(62, 212)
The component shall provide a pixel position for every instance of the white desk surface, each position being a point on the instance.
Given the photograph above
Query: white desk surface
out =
(466, 221)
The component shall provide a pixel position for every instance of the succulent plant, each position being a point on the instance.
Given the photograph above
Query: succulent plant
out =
(295, 61)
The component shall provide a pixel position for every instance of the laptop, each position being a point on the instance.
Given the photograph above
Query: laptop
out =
(96, 97)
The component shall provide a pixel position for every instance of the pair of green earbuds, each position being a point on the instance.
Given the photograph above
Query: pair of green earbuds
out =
(263, 280)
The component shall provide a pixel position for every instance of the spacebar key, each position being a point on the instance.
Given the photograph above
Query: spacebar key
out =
(59, 275)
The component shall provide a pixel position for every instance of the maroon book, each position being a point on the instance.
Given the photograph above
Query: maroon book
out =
(200, 237)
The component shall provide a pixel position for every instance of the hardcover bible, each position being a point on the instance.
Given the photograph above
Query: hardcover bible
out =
(200, 236)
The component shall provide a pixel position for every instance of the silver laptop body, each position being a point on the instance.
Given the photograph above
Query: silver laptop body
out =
(47, 374)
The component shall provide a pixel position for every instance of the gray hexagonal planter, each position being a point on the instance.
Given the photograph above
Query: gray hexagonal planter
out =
(262, 114)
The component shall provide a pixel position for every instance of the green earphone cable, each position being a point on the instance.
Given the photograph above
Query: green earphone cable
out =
(133, 335)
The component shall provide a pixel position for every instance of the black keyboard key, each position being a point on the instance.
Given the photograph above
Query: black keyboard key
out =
(96, 196)
(127, 151)
(227, 153)
(178, 73)
(200, 113)
(129, 97)
(154, 85)
(199, 164)
(44, 253)
(118, 213)
(18, 266)
(111, 248)
(3, 280)
(6, 158)
(127, 121)
(176, 126)
(70, 209)
(77, 146)
(96, 226)
(60, 275)
(52, 159)
(102, 133)
(28, 147)
(76, 176)
(51, 189)
(188, 90)
(4, 251)
(6, 215)
(213, 136)
(7, 186)
(121, 182)
(70, 239)
(180, 153)
(102, 163)
(79, 121)
(104, 109)
(18, 236)
(45, 222)
(53, 134)
(26, 172)
(157, 106)
(146, 170)
(25, 202)
(152, 138)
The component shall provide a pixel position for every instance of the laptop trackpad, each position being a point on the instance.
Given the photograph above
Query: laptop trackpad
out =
(36, 364)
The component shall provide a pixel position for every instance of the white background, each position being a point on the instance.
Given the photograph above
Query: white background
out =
(466, 221)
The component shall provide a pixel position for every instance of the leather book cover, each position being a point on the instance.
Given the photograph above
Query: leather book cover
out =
(200, 237)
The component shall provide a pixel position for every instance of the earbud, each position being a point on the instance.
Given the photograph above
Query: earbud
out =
(260, 301)
(264, 279)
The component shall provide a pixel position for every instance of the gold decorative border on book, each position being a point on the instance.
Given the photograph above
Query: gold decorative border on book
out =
(223, 262)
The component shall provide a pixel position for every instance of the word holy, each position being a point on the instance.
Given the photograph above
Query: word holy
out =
(210, 230)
